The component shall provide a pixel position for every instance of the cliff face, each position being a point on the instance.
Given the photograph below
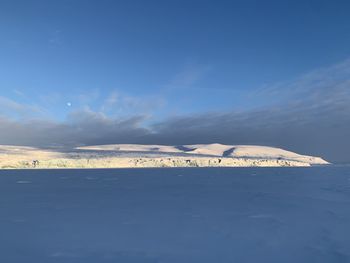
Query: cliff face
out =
(155, 162)
(207, 162)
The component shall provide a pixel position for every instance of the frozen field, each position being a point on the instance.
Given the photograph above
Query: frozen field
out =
(175, 215)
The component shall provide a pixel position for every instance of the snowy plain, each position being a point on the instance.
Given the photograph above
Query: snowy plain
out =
(195, 215)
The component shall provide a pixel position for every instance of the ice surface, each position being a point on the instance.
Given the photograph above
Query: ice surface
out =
(176, 215)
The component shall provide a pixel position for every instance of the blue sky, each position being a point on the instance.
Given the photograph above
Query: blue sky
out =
(165, 60)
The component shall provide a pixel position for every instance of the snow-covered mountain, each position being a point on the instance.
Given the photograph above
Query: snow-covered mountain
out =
(135, 155)
(219, 150)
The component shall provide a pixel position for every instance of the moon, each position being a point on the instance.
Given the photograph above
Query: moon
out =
(69, 104)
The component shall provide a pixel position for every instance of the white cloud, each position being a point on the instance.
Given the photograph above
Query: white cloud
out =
(120, 104)
(188, 76)
(13, 108)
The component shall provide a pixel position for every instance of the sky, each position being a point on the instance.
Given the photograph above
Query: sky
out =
(86, 72)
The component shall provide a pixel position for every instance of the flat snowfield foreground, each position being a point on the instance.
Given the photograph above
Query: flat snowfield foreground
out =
(138, 156)
(192, 215)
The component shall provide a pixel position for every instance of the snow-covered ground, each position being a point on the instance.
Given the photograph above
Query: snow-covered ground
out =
(192, 215)
(134, 155)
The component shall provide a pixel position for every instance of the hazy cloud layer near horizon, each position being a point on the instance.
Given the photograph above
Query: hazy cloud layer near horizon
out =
(310, 115)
